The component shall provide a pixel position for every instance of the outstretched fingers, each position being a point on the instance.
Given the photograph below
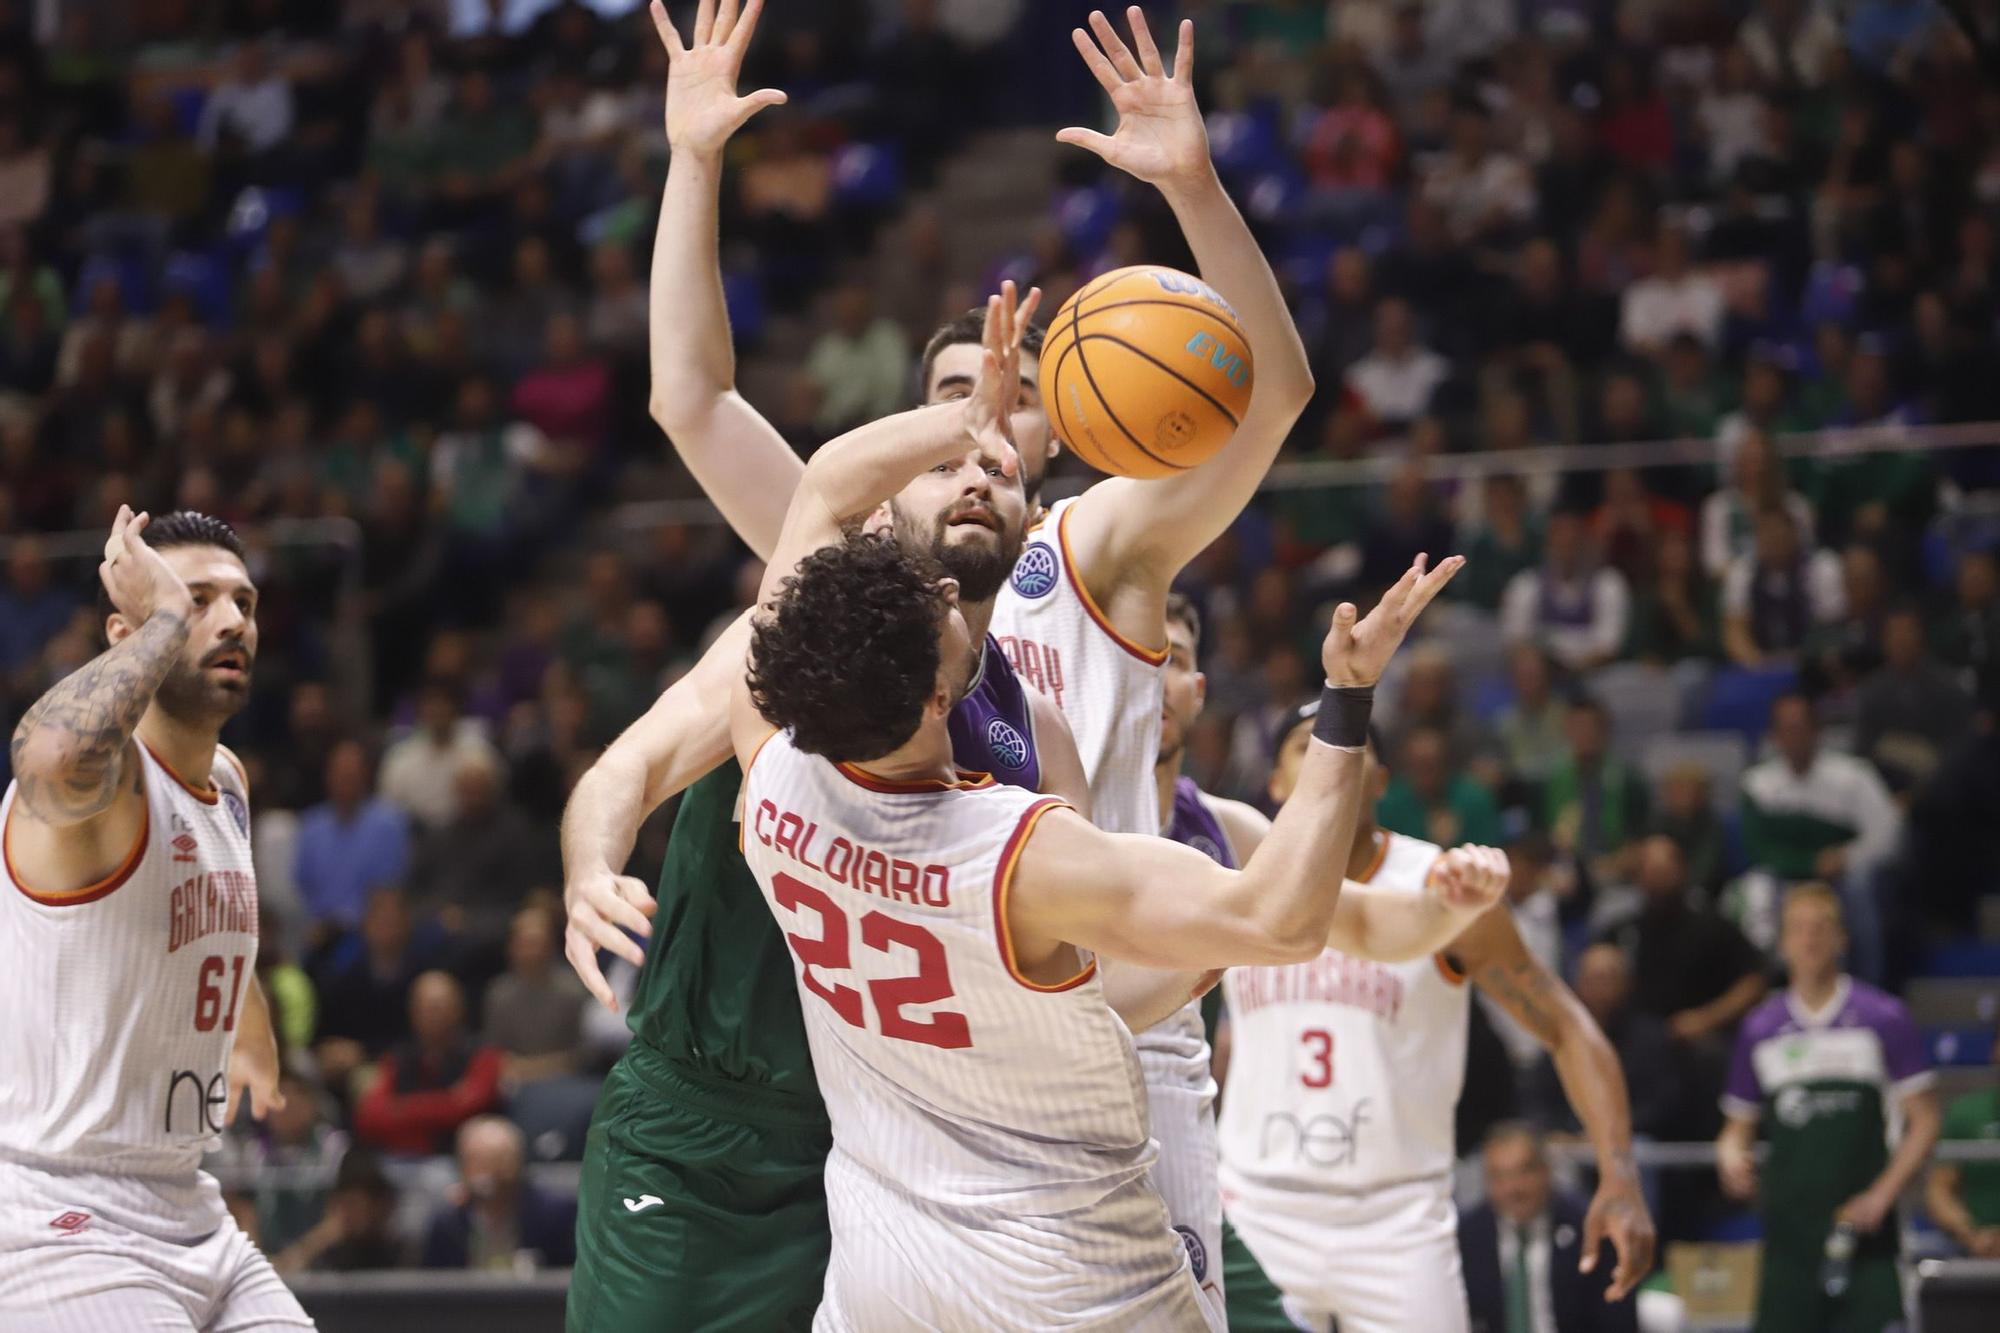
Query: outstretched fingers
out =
(670, 36)
(1429, 585)
(1115, 49)
(1184, 54)
(746, 27)
(704, 23)
(1107, 77)
(1024, 317)
(1142, 41)
(725, 22)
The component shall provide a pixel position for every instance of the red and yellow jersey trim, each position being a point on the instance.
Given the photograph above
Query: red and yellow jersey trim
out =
(206, 795)
(1150, 656)
(1003, 881)
(89, 893)
(967, 781)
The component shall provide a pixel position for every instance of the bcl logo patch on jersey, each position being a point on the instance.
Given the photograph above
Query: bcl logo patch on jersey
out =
(1007, 744)
(238, 811)
(71, 1222)
(1035, 571)
(1197, 1252)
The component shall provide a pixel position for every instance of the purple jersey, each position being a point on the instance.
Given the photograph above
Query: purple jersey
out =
(1195, 825)
(991, 730)
(1827, 1087)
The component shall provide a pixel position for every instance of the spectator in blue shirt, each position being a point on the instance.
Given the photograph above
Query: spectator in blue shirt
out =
(31, 611)
(350, 843)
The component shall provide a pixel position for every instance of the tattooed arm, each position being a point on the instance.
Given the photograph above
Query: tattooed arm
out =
(71, 750)
(79, 795)
(1492, 953)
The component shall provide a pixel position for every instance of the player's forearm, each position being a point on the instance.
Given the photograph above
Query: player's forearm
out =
(693, 358)
(68, 751)
(1922, 1122)
(1395, 927)
(254, 1025)
(600, 824)
(1290, 888)
(1232, 263)
(1738, 1137)
(1941, 1201)
(1593, 1081)
(869, 464)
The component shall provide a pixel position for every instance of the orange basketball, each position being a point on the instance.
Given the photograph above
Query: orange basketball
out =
(1145, 372)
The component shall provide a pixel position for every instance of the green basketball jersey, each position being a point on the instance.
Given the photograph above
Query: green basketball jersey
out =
(716, 993)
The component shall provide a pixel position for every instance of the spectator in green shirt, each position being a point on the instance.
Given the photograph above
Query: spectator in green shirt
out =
(1963, 1198)
(1427, 800)
(1504, 544)
(861, 364)
(1594, 805)
(1530, 729)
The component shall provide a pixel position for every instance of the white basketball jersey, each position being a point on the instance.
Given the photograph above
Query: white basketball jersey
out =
(989, 1167)
(1108, 687)
(1110, 691)
(1344, 1074)
(122, 999)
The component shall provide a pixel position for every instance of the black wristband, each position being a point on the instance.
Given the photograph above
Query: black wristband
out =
(1343, 716)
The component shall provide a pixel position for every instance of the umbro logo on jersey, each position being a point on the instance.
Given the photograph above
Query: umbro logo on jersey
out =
(184, 847)
(71, 1222)
(643, 1202)
(1035, 571)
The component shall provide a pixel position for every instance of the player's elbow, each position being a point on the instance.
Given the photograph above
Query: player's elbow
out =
(1296, 385)
(1292, 935)
(680, 415)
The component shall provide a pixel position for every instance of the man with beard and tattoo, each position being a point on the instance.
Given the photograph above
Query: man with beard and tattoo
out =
(128, 960)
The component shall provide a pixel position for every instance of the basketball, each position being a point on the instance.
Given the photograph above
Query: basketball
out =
(1145, 372)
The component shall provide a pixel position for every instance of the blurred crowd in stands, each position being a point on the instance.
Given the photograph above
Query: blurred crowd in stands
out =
(369, 280)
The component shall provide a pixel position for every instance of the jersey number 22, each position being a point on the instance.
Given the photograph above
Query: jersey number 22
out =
(832, 951)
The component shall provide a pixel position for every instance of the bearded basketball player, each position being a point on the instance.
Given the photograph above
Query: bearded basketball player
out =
(128, 955)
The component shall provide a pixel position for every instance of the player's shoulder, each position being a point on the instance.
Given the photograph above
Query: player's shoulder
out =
(228, 771)
(1874, 1005)
(1767, 1019)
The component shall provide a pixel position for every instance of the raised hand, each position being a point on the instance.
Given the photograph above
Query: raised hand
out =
(136, 576)
(703, 109)
(1356, 652)
(990, 407)
(1160, 136)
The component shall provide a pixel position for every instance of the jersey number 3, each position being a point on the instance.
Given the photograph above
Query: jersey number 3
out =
(1319, 1052)
(832, 951)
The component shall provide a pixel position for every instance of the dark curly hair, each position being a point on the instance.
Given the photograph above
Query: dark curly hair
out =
(846, 654)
